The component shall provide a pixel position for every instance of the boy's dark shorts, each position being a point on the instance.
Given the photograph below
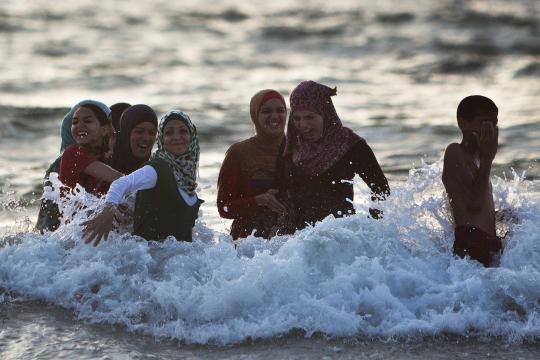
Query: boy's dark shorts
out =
(474, 242)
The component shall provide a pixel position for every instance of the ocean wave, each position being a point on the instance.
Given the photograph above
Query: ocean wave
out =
(460, 65)
(308, 13)
(472, 18)
(7, 23)
(529, 46)
(344, 277)
(231, 15)
(21, 113)
(299, 32)
(395, 18)
(58, 49)
(476, 45)
(205, 21)
(50, 15)
(29, 122)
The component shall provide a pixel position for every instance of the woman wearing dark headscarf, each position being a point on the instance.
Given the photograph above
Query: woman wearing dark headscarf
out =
(319, 154)
(246, 186)
(166, 204)
(135, 138)
(116, 113)
(49, 215)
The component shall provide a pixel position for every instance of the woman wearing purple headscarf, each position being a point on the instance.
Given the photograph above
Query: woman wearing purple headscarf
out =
(319, 154)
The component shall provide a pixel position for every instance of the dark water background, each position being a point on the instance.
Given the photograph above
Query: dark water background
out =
(400, 68)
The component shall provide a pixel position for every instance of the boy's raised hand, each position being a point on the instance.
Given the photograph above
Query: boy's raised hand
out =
(489, 141)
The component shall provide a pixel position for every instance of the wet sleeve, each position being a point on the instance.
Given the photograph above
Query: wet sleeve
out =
(141, 179)
(53, 168)
(232, 202)
(74, 161)
(281, 171)
(366, 166)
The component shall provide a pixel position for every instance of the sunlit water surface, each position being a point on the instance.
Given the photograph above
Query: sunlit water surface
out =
(400, 68)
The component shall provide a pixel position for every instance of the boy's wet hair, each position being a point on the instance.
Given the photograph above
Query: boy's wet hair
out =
(474, 105)
(100, 114)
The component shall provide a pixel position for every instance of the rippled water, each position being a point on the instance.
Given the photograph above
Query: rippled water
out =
(400, 68)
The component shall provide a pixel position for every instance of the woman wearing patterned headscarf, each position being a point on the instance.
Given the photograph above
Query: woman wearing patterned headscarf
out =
(246, 186)
(319, 154)
(166, 203)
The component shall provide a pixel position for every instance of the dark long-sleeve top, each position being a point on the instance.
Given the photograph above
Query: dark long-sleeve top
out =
(311, 198)
(238, 185)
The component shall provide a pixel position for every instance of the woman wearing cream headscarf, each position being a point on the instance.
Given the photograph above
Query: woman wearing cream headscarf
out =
(246, 187)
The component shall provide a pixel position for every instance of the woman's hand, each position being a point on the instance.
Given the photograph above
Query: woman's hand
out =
(99, 226)
(269, 200)
(124, 215)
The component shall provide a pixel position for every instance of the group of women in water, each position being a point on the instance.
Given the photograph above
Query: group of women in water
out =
(269, 184)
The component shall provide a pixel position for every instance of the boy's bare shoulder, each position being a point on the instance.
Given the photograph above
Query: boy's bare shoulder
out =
(453, 152)
(453, 165)
(453, 148)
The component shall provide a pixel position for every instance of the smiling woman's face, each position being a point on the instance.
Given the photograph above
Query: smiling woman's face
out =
(142, 140)
(271, 118)
(310, 125)
(176, 137)
(86, 129)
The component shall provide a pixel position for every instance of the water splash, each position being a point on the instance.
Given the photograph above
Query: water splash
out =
(12, 209)
(347, 277)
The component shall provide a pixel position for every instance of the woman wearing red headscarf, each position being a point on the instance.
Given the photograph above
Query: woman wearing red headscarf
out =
(246, 183)
(319, 154)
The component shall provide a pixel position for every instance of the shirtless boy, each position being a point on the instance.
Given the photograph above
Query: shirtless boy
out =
(466, 171)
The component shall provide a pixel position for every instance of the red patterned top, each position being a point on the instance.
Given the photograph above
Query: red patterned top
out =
(75, 160)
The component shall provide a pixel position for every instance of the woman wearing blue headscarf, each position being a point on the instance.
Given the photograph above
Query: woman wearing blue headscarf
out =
(49, 215)
(166, 203)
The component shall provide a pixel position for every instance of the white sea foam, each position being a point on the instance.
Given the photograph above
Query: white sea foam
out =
(344, 277)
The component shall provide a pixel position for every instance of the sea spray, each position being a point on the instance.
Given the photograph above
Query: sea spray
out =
(13, 213)
(353, 276)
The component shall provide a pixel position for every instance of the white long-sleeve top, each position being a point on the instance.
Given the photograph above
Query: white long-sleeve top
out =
(142, 179)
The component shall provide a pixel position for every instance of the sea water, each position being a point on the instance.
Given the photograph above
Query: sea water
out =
(343, 277)
(347, 287)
